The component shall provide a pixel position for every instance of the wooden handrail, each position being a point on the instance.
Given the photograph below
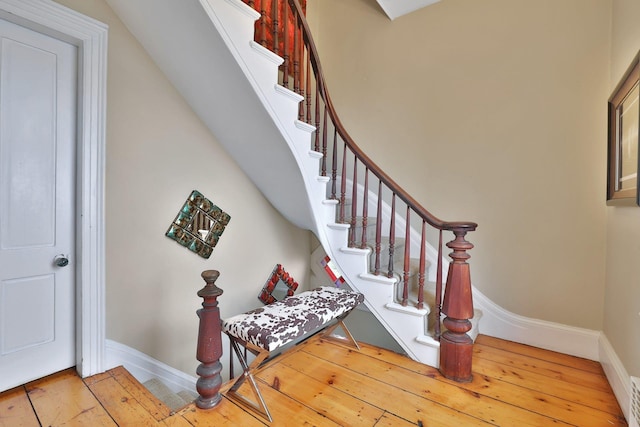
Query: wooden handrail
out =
(318, 110)
(370, 164)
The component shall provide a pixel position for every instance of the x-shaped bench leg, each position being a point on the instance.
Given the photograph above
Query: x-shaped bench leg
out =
(348, 340)
(258, 404)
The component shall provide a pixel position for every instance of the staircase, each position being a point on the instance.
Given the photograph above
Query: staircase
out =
(206, 48)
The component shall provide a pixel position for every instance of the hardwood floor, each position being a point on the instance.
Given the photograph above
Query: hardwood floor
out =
(324, 384)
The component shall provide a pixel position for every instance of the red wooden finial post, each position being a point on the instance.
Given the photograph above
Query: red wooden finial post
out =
(209, 344)
(456, 347)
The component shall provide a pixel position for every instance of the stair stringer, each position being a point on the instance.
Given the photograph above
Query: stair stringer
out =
(260, 66)
(209, 71)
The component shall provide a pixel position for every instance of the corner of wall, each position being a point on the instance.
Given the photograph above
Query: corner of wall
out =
(144, 367)
(616, 373)
(500, 323)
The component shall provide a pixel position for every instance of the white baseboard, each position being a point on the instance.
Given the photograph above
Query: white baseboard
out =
(144, 367)
(500, 323)
(616, 375)
(580, 342)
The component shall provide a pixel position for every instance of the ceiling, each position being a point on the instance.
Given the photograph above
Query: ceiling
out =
(397, 8)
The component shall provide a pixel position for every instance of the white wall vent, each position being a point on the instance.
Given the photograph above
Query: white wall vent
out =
(634, 407)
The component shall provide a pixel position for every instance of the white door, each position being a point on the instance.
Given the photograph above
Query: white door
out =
(37, 179)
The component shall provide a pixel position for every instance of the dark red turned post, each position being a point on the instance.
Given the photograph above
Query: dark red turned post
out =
(456, 347)
(209, 344)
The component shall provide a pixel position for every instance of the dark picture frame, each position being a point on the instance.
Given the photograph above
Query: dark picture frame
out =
(279, 285)
(623, 136)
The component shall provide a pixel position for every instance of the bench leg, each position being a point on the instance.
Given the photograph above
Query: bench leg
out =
(258, 404)
(349, 341)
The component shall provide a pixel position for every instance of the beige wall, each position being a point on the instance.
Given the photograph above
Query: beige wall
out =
(492, 111)
(157, 153)
(501, 100)
(622, 301)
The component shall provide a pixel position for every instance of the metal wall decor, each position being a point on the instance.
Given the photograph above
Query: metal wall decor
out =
(279, 285)
(199, 225)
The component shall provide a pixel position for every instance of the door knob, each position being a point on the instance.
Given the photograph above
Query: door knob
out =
(61, 260)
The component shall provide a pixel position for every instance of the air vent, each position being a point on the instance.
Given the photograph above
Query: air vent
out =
(634, 408)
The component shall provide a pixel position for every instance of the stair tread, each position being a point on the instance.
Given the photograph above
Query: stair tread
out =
(160, 390)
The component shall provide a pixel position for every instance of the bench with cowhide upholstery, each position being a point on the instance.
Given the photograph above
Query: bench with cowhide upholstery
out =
(269, 328)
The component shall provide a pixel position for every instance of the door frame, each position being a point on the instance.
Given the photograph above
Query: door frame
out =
(90, 37)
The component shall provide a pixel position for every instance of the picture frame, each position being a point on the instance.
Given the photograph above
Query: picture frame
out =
(279, 285)
(622, 140)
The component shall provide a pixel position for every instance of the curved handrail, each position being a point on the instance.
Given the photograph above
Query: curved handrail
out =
(370, 164)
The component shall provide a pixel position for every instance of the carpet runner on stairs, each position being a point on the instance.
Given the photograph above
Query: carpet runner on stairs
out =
(174, 401)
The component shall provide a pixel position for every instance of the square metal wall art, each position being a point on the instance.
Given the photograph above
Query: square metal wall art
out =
(199, 225)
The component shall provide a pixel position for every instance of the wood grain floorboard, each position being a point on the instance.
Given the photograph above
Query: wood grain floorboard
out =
(393, 396)
(520, 396)
(122, 405)
(579, 377)
(429, 388)
(64, 399)
(559, 359)
(149, 402)
(331, 402)
(16, 410)
(319, 383)
(226, 414)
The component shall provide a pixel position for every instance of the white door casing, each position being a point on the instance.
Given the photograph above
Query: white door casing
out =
(37, 177)
(90, 38)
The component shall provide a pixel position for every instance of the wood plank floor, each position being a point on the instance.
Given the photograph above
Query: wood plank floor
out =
(323, 384)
